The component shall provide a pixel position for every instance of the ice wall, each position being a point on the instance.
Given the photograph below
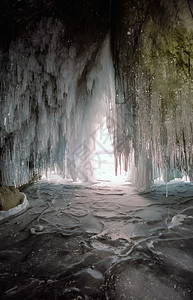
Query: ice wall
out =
(52, 99)
(153, 58)
(57, 82)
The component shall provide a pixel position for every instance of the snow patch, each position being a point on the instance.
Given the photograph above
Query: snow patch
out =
(177, 220)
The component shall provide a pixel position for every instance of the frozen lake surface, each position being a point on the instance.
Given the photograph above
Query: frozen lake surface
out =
(99, 241)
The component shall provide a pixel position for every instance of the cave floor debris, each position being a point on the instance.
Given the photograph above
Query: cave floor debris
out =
(99, 241)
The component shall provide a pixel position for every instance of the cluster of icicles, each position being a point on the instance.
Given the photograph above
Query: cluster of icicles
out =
(53, 102)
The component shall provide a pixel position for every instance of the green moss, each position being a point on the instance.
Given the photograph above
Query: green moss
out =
(167, 60)
(172, 49)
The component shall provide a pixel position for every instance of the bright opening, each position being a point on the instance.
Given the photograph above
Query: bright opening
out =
(103, 159)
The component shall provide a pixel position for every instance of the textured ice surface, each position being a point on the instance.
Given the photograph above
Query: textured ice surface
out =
(64, 247)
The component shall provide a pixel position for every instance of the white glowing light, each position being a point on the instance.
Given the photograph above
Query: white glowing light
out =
(103, 159)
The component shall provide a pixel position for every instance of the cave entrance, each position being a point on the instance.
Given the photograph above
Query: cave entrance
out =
(103, 160)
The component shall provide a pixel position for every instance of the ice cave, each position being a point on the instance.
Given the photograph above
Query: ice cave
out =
(96, 149)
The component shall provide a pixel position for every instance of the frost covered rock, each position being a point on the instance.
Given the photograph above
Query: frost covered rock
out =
(9, 197)
(152, 51)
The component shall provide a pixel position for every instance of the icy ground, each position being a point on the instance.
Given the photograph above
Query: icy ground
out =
(99, 241)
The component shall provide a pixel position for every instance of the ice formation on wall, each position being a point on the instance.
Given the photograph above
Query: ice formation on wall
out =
(53, 96)
(153, 55)
(52, 100)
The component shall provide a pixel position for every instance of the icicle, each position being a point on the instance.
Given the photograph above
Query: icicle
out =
(116, 164)
(166, 180)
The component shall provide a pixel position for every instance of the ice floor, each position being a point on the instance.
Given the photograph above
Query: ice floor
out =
(99, 241)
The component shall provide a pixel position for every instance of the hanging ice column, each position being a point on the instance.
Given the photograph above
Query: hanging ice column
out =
(153, 58)
(100, 87)
(52, 98)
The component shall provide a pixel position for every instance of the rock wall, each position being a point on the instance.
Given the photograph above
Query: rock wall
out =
(57, 83)
(153, 59)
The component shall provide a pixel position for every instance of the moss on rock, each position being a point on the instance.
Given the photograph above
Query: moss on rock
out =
(9, 197)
